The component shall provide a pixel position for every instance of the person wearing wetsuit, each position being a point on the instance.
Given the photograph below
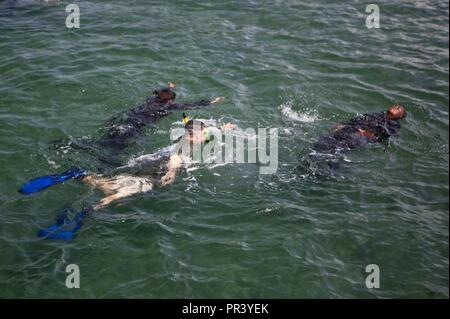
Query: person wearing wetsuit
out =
(122, 128)
(357, 132)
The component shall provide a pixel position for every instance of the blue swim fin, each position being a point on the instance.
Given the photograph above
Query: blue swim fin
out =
(40, 183)
(64, 228)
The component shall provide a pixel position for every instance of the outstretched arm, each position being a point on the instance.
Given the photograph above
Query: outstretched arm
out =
(201, 103)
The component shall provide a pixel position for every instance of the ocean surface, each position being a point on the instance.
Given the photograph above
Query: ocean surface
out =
(222, 231)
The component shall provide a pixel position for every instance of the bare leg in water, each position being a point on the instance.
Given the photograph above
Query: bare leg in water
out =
(122, 186)
(117, 187)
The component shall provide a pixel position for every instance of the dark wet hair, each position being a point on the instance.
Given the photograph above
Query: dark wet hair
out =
(164, 91)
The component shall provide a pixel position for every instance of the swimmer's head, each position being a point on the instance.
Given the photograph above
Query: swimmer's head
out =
(165, 94)
(396, 112)
(196, 131)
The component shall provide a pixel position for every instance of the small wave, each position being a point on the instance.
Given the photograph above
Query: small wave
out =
(51, 162)
(307, 116)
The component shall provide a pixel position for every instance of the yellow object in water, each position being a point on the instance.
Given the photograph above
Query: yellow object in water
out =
(185, 118)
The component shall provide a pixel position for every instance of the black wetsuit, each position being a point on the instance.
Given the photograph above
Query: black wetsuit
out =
(126, 126)
(346, 136)
(327, 151)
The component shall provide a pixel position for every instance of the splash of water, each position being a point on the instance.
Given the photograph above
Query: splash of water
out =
(305, 116)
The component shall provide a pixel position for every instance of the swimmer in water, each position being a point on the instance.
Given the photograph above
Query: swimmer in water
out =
(138, 177)
(122, 128)
(164, 163)
(357, 132)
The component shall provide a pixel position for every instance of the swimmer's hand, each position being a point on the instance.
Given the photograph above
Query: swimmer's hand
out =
(228, 126)
(171, 85)
(167, 179)
(174, 164)
(217, 99)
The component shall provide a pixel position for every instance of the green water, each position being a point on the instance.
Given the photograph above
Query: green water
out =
(228, 231)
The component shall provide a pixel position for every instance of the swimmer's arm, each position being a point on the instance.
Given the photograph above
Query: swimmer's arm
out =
(183, 106)
(172, 168)
(386, 142)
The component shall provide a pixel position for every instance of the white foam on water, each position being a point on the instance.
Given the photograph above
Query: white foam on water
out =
(51, 162)
(305, 117)
(146, 158)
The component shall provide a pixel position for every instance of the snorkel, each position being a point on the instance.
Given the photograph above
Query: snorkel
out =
(185, 119)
